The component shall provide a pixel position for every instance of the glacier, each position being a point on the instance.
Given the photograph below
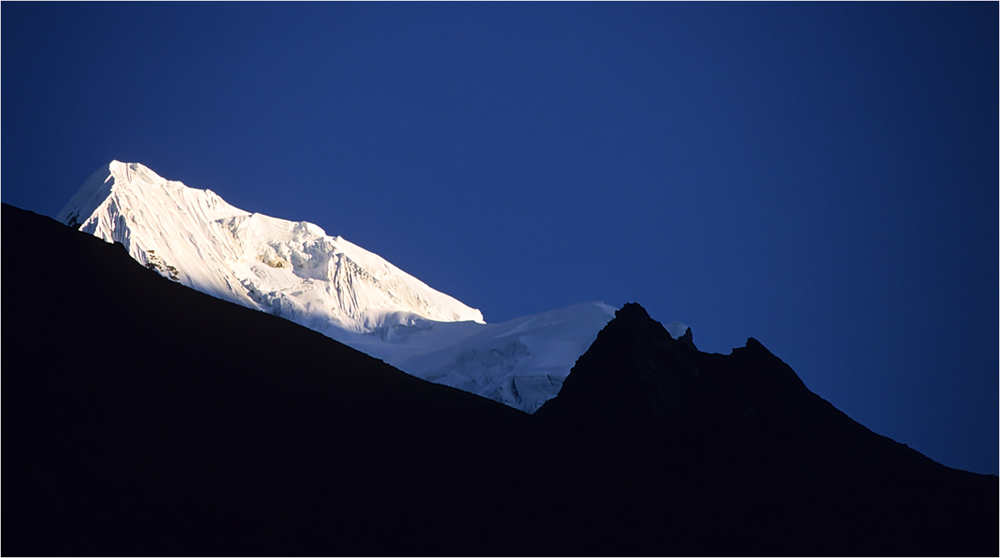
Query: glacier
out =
(296, 271)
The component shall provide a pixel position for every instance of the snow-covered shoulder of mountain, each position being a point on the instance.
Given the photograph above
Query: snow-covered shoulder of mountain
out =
(520, 362)
(296, 271)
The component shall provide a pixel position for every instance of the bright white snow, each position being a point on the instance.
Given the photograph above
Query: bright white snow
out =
(294, 270)
(289, 269)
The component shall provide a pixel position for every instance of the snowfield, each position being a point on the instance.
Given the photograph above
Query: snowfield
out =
(296, 271)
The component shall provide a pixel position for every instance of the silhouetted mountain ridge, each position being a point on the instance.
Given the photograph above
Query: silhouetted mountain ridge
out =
(756, 451)
(142, 417)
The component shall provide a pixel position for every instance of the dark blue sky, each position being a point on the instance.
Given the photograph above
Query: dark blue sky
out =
(822, 177)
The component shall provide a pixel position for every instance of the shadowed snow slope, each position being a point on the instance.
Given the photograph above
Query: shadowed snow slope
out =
(295, 271)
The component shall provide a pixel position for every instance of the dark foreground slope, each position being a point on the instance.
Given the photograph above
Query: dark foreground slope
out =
(140, 417)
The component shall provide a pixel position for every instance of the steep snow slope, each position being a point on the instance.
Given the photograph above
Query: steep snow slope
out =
(290, 269)
(294, 270)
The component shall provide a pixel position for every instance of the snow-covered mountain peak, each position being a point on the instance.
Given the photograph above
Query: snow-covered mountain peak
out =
(296, 271)
(288, 268)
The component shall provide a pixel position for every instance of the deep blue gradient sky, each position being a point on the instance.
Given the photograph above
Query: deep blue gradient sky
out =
(822, 177)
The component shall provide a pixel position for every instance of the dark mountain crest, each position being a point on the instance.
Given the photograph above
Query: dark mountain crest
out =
(687, 338)
(258, 436)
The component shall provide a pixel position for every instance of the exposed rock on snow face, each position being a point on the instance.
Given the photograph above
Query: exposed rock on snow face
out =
(296, 271)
